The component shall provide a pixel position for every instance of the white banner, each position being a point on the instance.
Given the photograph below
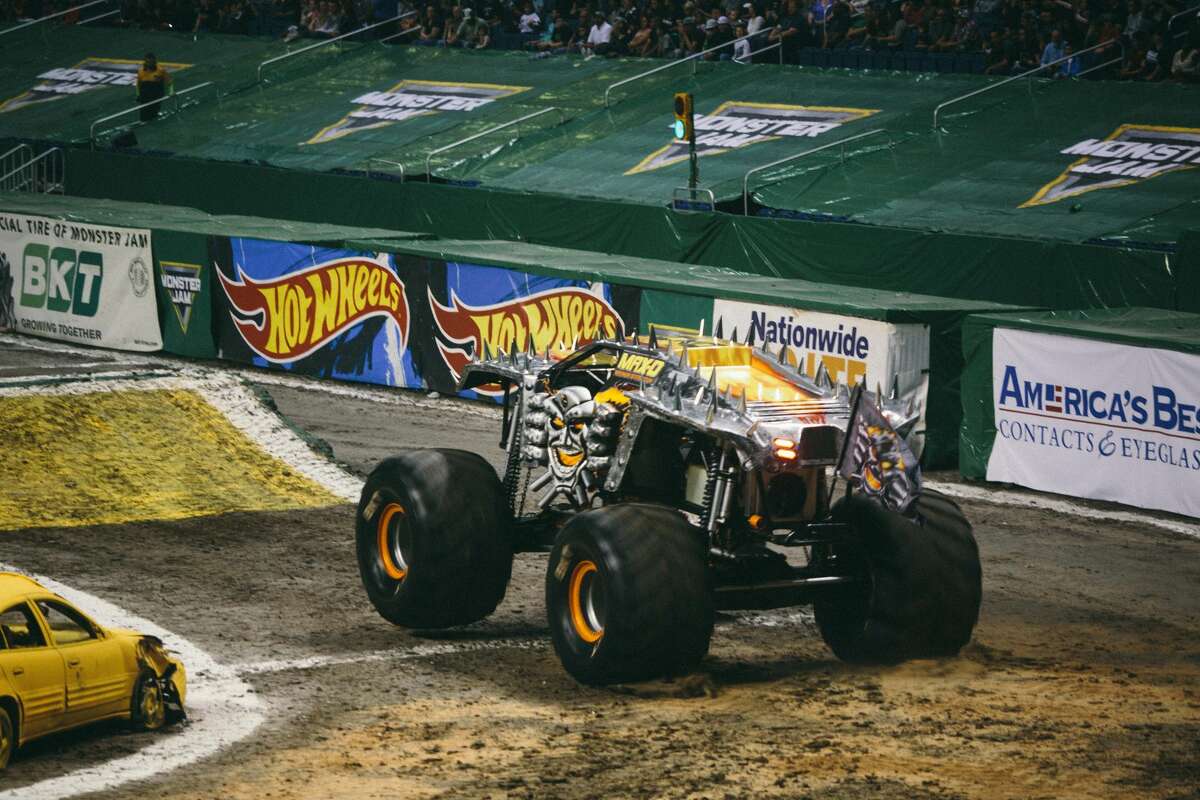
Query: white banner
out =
(853, 349)
(1097, 419)
(89, 284)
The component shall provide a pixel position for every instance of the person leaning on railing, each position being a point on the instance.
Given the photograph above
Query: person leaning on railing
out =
(153, 84)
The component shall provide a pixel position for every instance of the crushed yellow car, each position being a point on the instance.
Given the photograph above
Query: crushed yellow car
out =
(59, 669)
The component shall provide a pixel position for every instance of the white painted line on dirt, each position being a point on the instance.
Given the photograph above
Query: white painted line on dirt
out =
(1001, 497)
(222, 709)
(781, 618)
(266, 429)
(87, 377)
(420, 651)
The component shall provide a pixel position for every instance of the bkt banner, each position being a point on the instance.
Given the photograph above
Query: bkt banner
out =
(89, 284)
(397, 320)
(1096, 419)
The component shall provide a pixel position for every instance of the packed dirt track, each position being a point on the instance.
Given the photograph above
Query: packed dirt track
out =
(1082, 681)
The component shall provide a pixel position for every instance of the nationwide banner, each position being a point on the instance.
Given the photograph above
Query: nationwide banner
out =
(86, 76)
(1096, 419)
(88, 284)
(853, 349)
(735, 124)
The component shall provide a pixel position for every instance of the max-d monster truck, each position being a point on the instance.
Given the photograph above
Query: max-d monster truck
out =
(666, 475)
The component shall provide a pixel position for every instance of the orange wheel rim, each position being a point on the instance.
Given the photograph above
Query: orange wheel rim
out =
(389, 556)
(581, 602)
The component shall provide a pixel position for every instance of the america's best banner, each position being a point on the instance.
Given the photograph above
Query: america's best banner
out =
(1096, 419)
(81, 283)
(853, 349)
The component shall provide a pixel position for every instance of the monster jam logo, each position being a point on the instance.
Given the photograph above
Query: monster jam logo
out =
(287, 318)
(1131, 154)
(409, 99)
(553, 318)
(89, 74)
(182, 284)
(736, 124)
(61, 279)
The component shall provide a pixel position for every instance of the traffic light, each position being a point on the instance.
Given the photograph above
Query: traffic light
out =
(684, 120)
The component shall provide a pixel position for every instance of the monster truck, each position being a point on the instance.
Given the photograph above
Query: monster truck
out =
(667, 475)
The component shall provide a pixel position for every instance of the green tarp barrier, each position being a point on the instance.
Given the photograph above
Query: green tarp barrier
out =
(1055, 160)
(997, 165)
(182, 219)
(307, 115)
(1014, 271)
(91, 68)
(1139, 327)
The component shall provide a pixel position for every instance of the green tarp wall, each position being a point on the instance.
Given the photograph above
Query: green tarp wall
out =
(1014, 271)
(1139, 327)
(990, 155)
(230, 61)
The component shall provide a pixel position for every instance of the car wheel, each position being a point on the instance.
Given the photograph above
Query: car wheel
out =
(628, 595)
(919, 582)
(433, 538)
(8, 738)
(149, 712)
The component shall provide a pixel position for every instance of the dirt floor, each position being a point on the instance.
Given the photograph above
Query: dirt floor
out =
(1083, 680)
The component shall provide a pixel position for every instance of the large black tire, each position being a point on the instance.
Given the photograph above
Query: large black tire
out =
(628, 595)
(433, 539)
(920, 583)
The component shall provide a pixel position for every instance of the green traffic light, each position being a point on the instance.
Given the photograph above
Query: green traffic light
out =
(679, 129)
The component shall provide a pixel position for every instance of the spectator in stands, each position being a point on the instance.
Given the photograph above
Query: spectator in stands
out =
(1158, 61)
(793, 32)
(837, 25)
(1135, 59)
(153, 84)
(452, 26)
(1054, 49)
(718, 36)
(530, 22)
(598, 37)
(1185, 66)
(642, 41)
(754, 20)
(1072, 67)
(431, 27)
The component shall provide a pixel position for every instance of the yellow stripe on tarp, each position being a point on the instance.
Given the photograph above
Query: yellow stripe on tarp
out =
(128, 456)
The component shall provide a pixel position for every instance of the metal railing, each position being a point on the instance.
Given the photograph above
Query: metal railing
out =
(398, 35)
(100, 16)
(327, 42)
(140, 106)
(840, 142)
(43, 174)
(481, 134)
(1102, 65)
(12, 160)
(690, 205)
(52, 16)
(683, 60)
(777, 46)
(1027, 74)
(1193, 11)
(386, 162)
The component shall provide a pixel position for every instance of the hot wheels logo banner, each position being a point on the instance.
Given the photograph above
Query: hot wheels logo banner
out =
(287, 318)
(553, 318)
